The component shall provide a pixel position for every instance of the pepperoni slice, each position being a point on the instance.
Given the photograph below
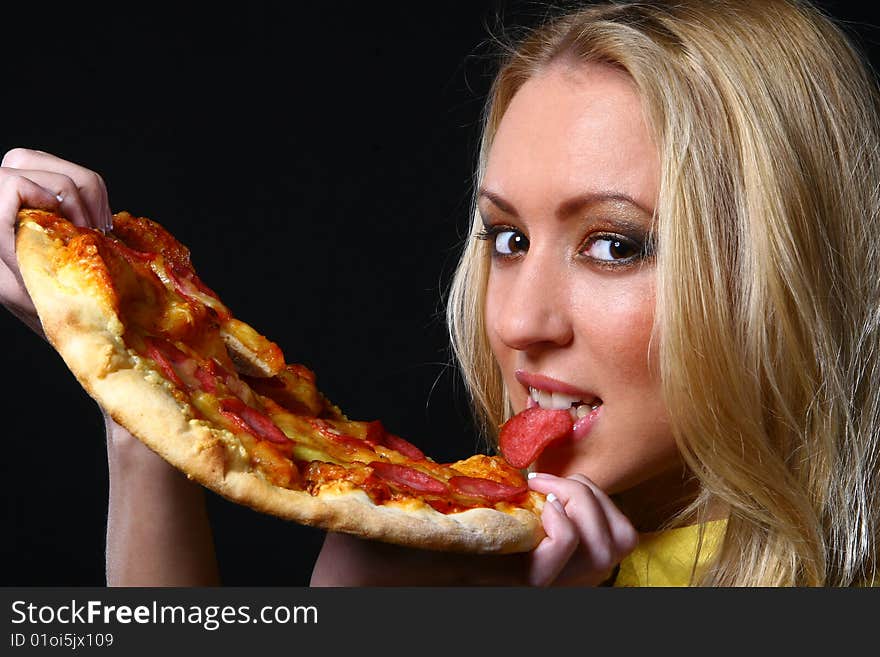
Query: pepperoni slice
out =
(408, 477)
(165, 354)
(527, 434)
(492, 491)
(210, 374)
(166, 349)
(346, 440)
(132, 255)
(188, 284)
(251, 420)
(403, 446)
(377, 435)
(338, 437)
(207, 381)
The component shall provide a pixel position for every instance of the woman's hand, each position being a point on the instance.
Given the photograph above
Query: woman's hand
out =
(35, 179)
(158, 531)
(587, 535)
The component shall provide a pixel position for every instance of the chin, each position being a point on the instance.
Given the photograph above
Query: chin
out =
(563, 461)
(566, 460)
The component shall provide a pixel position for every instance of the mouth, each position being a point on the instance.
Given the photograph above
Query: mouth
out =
(580, 407)
(552, 394)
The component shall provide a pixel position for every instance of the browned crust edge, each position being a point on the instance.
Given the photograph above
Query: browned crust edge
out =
(82, 326)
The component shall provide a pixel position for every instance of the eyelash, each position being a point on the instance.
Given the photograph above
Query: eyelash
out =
(644, 250)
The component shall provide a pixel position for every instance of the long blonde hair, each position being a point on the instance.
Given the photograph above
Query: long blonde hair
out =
(765, 116)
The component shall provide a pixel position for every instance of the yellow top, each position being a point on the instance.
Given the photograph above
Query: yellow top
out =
(667, 558)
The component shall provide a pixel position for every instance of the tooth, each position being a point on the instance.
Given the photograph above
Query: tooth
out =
(560, 401)
(582, 411)
(545, 399)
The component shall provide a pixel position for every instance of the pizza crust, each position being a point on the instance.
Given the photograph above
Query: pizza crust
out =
(80, 321)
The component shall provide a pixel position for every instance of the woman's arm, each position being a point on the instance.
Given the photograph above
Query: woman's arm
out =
(157, 527)
(158, 532)
(349, 561)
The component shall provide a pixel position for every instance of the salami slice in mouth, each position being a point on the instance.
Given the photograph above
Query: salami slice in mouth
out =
(527, 434)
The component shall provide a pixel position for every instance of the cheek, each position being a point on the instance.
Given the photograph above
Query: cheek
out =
(497, 289)
(614, 323)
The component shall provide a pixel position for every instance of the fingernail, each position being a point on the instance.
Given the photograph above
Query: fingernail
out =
(536, 475)
(552, 499)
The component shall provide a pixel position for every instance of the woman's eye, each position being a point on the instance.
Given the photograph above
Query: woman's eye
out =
(508, 242)
(611, 248)
(505, 240)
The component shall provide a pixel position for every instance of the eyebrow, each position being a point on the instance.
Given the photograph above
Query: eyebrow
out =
(569, 206)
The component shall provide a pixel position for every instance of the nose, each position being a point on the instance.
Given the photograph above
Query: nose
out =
(535, 309)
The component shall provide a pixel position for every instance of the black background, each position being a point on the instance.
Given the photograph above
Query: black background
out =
(318, 161)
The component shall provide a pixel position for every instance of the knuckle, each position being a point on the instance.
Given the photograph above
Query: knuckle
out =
(630, 539)
(67, 184)
(15, 157)
(96, 182)
(603, 556)
(581, 501)
(567, 539)
(581, 479)
(562, 538)
(15, 181)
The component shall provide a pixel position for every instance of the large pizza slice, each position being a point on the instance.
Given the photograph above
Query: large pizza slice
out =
(167, 359)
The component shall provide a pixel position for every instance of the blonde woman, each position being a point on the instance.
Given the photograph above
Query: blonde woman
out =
(674, 234)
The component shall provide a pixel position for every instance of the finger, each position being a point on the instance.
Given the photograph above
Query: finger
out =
(17, 301)
(26, 158)
(625, 535)
(556, 549)
(585, 512)
(16, 191)
(90, 185)
(70, 202)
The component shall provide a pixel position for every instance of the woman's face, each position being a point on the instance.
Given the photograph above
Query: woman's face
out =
(567, 199)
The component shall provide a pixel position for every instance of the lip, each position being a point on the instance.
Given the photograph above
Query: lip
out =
(542, 382)
(584, 425)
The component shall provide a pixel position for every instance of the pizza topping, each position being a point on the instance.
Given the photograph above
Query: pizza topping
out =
(377, 435)
(524, 436)
(331, 433)
(133, 255)
(207, 380)
(239, 388)
(319, 474)
(292, 388)
(165, 355)
(403, 446)
(188, 285)
(251, 420)
(492, 491)
(253, 354)
(490, 467)
(237, 379)
(279, 470)
(169, 258)
(411, 478)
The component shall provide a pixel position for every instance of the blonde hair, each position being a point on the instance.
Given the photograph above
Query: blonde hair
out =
(765, 117)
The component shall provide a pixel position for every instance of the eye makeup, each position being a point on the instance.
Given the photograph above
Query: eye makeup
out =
(615, 245)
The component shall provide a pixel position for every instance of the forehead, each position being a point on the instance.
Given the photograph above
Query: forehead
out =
(574, 129)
